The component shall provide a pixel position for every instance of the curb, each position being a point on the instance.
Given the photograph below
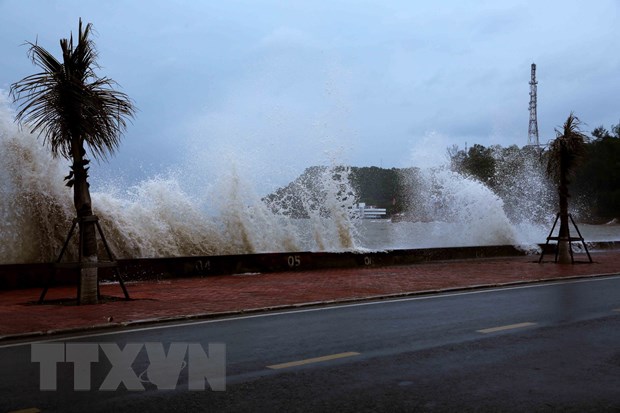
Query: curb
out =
(213, 315)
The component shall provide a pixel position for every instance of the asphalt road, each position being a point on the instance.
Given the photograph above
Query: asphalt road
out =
(545, 347)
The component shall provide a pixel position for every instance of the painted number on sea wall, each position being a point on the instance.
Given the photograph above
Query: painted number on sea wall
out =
(293, 261)
(202, 265)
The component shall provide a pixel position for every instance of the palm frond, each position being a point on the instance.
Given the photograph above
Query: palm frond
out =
(43, 59)
(568, 149)
(67, 103)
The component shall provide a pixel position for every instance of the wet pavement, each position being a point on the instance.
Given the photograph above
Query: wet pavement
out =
(185, 298)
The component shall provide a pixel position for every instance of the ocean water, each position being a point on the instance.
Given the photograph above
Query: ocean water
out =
(383, 234)
(160, 218)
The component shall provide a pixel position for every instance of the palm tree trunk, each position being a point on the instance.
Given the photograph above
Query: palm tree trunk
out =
(564, 256)
(88, 239)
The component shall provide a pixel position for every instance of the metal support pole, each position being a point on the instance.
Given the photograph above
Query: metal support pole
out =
(80, 264)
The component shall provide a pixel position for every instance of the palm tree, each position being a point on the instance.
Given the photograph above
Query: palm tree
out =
(566, 152)
(72, 108)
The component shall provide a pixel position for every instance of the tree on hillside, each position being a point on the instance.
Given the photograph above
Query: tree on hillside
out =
(601, 133)
(378, 186)
(616, 130)
(73, 108)
(478, 162)
(597, 182)
(566, 152)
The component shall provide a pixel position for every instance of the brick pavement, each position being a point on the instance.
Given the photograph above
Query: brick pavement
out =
(208, 296)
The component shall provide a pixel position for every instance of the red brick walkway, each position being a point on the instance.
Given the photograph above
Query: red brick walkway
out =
(227, 294)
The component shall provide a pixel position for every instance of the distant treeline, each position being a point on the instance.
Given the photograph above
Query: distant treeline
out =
(508, 172)
(594, 189)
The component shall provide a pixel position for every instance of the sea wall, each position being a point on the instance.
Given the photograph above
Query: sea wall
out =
(15, 276)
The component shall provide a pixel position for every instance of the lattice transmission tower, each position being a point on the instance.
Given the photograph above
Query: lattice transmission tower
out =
(532, 135)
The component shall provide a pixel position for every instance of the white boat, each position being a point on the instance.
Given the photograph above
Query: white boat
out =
(370, 212)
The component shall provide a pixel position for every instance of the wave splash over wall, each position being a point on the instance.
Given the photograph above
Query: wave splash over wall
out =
(157, 217)
(446, 208)
(160, 218)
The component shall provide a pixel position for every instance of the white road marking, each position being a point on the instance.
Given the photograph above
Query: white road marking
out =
(313, 360)
(328, 307)
(507, 327)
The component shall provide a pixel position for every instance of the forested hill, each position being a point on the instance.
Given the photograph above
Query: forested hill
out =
(595, 188)
(383, 188)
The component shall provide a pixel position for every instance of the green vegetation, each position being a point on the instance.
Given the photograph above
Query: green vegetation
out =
(74, 109)
(374, 186)
(595, 186)
(379, 187)
(565, 154)
(597, 180)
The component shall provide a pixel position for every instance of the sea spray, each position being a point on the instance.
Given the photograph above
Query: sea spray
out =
(248, 224)
(158, 217)
(520, 180)
(205, 208)
(35, 209)
(335, 218)
(321, 203)
(446, 209)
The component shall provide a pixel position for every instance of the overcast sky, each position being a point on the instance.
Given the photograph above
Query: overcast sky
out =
(276, 86)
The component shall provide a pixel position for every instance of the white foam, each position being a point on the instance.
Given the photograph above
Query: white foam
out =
(159, 217)
(215, 209)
